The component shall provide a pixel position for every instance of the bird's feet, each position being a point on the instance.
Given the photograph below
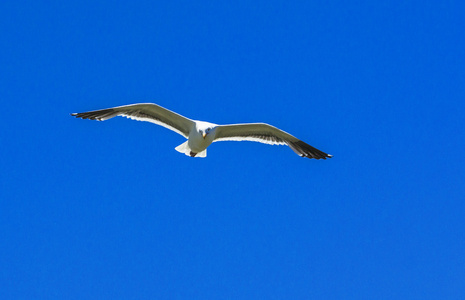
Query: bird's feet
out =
(193, 154)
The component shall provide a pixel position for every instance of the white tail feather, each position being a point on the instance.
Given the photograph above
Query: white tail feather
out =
(184, 148)
(202, 154)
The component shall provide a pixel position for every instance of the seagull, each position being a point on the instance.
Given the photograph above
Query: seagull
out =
(201, 134)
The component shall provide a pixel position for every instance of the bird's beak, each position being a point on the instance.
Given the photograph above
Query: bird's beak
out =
(204, 135)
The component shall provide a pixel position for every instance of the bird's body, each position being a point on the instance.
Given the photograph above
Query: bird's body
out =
(196, 144)
(201, 134)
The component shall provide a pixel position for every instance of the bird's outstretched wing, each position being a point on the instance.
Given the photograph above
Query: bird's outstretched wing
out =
(143, 112)
(267, 134)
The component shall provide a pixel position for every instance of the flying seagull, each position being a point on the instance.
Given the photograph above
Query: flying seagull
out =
(200, 134)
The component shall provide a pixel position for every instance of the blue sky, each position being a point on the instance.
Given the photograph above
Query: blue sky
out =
(109, 210)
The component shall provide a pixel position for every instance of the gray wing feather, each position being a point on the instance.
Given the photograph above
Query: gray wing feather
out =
(143, 112)
(267, 134)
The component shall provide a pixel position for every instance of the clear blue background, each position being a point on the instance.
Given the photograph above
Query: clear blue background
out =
(109, 210)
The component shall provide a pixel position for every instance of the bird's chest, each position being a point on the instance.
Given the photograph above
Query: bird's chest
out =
(197, 143)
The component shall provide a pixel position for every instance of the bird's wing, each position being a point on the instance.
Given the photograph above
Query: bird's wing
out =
(267, 134)
(143, 112)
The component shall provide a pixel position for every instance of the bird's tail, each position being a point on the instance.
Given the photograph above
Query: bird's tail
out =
(184, 148)
(202, 154)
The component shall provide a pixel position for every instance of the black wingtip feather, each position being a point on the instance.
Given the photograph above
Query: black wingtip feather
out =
(305, 150)
(95, 115)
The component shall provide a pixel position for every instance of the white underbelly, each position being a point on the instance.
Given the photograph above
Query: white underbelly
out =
(197, 143)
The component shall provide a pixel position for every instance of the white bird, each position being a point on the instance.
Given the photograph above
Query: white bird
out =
(201, 134)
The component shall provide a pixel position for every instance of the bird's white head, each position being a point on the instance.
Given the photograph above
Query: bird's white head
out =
(205, 128)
